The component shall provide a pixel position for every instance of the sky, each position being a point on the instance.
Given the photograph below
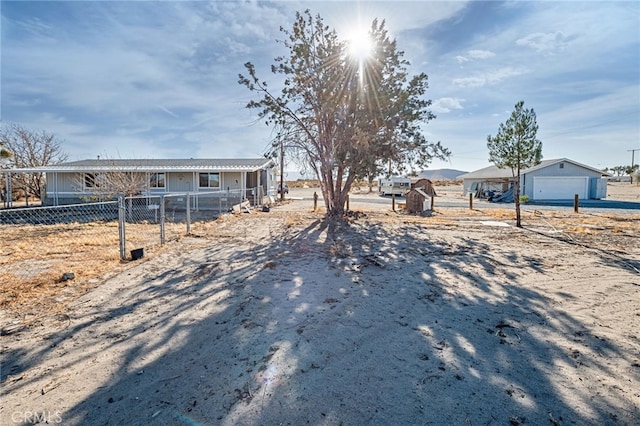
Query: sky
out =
(143, 79)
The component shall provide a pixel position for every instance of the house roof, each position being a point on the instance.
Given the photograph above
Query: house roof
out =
(157, 165)
(493, 172)
(420, 191)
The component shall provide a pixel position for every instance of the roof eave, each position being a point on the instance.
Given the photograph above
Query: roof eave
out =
(143, 169)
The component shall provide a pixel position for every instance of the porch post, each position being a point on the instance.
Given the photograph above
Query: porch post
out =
(259, 187)
(56, 200)
(243, 182)
(195, 186)
(9, 189)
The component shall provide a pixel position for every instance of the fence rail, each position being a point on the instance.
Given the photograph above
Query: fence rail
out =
(74, 213)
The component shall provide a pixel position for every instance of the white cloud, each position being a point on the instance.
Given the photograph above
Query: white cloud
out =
(488, 78)
(544, 42)
(171, 113)
(481, 54)
(444, 105)
(470, 81)
(56, 124)
(475, 54)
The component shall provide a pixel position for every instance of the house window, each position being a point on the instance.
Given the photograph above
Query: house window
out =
(91, 180)
(209, 180)
(156, 180)
(562, 165)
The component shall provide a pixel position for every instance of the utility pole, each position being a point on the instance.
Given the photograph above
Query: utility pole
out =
(281, 169)
(633, 151)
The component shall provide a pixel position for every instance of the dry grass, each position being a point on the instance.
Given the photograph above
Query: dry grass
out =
(589, 221)
(303, 183)
(34, 258)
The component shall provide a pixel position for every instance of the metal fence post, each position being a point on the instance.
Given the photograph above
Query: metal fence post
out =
(162, 218)
(121, 227)
(188, 214)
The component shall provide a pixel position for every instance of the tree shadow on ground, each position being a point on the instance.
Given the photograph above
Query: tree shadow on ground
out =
(346, 323)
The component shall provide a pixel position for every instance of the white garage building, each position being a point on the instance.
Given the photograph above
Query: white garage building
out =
(558, 179)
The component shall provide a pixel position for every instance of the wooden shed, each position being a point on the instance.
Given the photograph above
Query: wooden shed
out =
(425, 185)
(417, 201)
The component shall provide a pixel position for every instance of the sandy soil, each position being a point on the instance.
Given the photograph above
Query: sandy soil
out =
(623, 191)
(283, 318)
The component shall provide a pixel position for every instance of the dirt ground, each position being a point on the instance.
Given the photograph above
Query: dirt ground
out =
(623, 191)
(281, 317)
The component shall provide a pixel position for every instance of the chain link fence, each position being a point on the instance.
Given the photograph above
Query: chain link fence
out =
(148, 221)
(38, 245)
(42, 244)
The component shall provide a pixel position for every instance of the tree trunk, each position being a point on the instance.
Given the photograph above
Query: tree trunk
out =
(337, 208)
(335, 194)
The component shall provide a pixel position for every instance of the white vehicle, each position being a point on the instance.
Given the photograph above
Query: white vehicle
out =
(397, 185)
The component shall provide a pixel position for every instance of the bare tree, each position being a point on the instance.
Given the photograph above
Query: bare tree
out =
(108, 184)
(618, 170)
(631, 171)
(30, 149)
(5, 162)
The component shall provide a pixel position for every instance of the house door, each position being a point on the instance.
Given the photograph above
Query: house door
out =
(233, 181)
(184, 183)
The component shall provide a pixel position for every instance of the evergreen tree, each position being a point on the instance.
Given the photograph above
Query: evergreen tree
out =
(516, 147)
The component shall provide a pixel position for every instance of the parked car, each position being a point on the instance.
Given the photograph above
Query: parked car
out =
(286, 188)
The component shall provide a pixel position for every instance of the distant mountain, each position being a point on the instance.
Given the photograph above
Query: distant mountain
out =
(441, 174)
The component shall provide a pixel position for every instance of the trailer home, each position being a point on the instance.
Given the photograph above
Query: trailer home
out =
(395, 185)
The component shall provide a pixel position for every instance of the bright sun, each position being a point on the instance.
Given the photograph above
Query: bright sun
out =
(360, 45)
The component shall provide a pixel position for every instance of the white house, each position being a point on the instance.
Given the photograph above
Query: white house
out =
(558, 179)
(74, 181)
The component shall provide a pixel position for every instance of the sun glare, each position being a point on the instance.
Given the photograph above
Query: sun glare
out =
(360, 49)
(360, 45)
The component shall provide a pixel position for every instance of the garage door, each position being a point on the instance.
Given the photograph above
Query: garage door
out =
(560, 188)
